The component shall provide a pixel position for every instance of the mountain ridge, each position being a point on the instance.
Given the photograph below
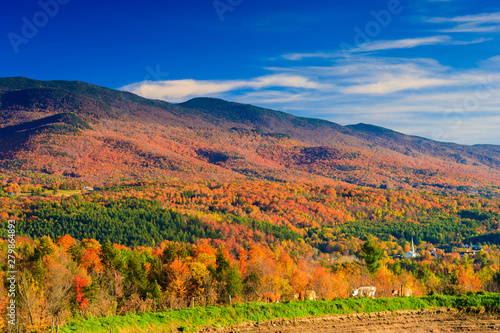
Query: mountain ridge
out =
(21, 83)
(228, 139)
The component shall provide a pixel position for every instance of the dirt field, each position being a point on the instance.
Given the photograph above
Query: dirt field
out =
(430, 320)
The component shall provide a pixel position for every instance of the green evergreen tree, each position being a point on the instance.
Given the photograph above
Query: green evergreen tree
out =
(371, 255)
(45, 247)
(136, 275)
(234, 283)
(110, 256)
(222, 264)
(156, 291)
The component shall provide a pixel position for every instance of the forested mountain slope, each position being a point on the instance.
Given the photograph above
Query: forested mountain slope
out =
(52, 129)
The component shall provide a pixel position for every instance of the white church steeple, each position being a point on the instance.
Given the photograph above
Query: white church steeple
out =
(412, 253)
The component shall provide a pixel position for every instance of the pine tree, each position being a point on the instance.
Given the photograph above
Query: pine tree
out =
(156, 291)
(110, 256)
(45, 247)
(234, 283)
(372, 255)
(222, 264)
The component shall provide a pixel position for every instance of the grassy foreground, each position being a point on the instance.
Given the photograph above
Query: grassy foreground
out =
(194, 318)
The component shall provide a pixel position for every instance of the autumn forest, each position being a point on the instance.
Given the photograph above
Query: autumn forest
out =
(127, 205)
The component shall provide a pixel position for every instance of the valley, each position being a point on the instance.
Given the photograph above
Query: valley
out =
(125, 206)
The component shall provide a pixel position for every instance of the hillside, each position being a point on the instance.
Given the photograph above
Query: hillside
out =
(50, 129)
(211, 202)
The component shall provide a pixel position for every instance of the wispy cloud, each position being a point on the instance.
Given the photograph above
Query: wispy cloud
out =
(486, 22)
(388, 83)
(406, 43)
(301, 56)
(417, 96)
(179, 90)
(401, 43)
(474, 41)
(383, 45)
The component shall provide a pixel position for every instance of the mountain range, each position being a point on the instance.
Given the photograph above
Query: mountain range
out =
(56, 130)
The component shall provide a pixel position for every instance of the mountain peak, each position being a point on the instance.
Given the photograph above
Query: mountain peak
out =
(222, 137)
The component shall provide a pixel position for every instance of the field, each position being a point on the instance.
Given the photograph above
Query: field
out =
(59, 193)
(194, 319)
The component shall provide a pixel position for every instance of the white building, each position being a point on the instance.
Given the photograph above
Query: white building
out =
(412, 253)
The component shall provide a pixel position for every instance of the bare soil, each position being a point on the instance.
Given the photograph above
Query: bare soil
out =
(415, 321)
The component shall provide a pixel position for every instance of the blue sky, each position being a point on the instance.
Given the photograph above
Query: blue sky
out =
(428, 67)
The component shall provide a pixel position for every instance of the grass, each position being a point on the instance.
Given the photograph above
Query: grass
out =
(66, 193)
(193, 319)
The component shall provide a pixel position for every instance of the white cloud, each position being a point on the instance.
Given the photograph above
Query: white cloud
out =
(415, 96)
(373, 46)
(486, 22)
(474, 41)
(301, 56)
(383, 45)
(401, 43)
(388, 83)
(180, 90)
